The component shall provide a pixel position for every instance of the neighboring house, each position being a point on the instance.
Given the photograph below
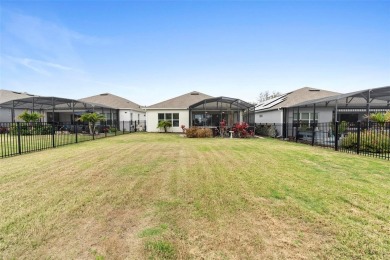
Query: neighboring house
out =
(281, 109)
(126, 112)
(9, 114)
(175, 110)
(352, 107)
(198, 109)
(53, 109)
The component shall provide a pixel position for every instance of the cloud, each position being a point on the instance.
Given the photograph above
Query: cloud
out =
(43, 34)
(42, 40)
(42, 67)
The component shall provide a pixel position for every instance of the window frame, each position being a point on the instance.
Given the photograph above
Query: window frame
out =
(171, 117)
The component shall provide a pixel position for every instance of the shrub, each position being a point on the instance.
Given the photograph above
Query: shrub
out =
(194, 132)
(241, 130)
(3, 130)
(31, 129)
(370, 141)
(266, 130)
(40, 129)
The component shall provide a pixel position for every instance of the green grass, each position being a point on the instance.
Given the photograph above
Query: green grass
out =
(9, 143)
(162, 196)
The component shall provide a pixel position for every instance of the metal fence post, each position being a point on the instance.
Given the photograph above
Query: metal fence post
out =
(296, 133)
(358, 137)
(19, 143)
(123, 127)
(336, 136)
(313, 133)
(52, 135)
(76, 130)
(135, 126)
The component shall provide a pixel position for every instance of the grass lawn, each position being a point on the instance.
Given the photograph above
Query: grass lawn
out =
(9, 143)
(162, 196)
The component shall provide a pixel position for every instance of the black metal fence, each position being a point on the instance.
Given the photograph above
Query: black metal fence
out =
(366, 138)
(19, 138)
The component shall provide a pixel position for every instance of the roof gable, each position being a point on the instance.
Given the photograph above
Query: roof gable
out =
(113, 101)
(295, 97)
(181, 102)
(8, 95)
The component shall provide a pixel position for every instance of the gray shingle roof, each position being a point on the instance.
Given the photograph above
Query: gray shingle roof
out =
(8, 95)
(181, 102)
(297, 96)
(375, 96)
(113, 101)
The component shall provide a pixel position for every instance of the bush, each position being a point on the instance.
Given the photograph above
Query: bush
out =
(266, 130)
(40, 129)
(370, 141)
(31, 129)
(241, 130)
(194, 132)
(3, 130)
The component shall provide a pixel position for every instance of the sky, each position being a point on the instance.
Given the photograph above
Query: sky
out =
(150, 51)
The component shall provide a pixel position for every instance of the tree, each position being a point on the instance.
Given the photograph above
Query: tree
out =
(92, 119)
(29, 117)
(266, 95)
(164, 124)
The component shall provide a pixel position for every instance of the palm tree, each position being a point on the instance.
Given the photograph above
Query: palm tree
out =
(92, 119)
(164, 124)
(29, 117)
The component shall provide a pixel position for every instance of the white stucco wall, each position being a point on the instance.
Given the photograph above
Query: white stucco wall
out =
(128, 115)
(324, 113)
(5, 115)
(152, 119)
(275, 116)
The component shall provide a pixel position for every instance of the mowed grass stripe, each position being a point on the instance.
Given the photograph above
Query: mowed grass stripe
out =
(159, 196)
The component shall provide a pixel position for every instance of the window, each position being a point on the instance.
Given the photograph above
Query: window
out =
(175, 119)
(171, 117)
(306, 119)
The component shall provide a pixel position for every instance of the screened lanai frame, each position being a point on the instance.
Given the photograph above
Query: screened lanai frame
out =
(53, 105)
(350, 107)
(363, 102)
(210, 112)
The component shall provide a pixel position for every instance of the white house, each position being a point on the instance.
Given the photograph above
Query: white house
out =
(198, 109)
(281, 110)
(277, 110)
(175, 110)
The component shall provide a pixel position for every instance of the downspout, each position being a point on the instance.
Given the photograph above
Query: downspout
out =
(73, 113)
(52, 112)
(13, 111)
